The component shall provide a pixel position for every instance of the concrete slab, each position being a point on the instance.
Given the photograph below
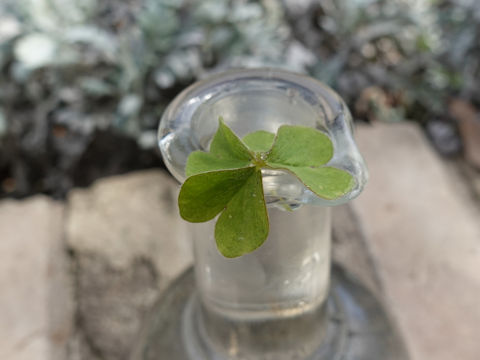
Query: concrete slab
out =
(128, 242)
(36, 309)
(424, 235)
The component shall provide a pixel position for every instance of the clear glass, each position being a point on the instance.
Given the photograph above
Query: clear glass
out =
(267, 304)
(288, 275)
(279, 288)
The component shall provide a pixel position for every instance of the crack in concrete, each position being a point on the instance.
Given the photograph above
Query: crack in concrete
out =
(80, 331)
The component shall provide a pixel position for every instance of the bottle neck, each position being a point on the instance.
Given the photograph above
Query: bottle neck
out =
(283, 283)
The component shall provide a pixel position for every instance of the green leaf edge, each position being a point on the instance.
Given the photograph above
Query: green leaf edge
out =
(351, 184)
(262, 239)
(251, 141)
(325, 136)
(185, 188)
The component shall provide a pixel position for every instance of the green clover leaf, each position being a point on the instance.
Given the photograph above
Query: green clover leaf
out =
(226, 152)
(227, 181)
(303, 151)
(259, 141)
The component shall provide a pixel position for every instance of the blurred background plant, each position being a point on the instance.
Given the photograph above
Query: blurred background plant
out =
(83, 83)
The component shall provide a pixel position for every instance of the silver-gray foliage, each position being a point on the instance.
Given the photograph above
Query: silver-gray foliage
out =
(69, 69)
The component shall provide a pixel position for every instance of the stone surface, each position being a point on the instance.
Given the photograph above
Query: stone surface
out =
(420, 248)
(128, 243)
(36, 311)
(423, 231)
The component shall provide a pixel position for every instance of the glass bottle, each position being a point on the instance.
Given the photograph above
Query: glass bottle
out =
(271, 303)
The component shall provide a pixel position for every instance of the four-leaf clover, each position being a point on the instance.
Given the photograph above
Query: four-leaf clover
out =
(227, 180)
